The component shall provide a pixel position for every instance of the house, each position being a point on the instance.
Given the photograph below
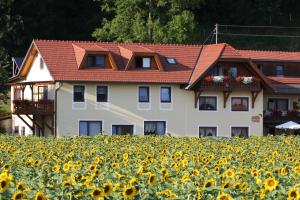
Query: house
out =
(69, 88)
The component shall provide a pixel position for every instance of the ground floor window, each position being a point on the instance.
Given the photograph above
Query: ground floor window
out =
(16, 129)
(239, 132)
(122, 129)
(90, 128)
(155, 128)
(23, 130)
(207, 131)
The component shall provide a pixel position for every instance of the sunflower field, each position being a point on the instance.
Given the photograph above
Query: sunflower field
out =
(132, 167)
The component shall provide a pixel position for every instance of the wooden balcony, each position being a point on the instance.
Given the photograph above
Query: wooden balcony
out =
(27, 107)
(276, 120)
(230, 85)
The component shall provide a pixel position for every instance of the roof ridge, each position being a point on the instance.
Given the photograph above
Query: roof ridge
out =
(113, 42)
(259, 50)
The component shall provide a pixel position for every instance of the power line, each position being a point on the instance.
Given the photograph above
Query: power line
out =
(259, 35)
(242, 26)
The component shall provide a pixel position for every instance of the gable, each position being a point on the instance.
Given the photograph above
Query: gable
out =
(36, 73)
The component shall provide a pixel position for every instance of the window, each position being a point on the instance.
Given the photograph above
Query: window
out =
(90, 128)
(101, 93)
(239, 132)
(78, 93)
(171, 61)
(16, 129)
(217, 71)
(207, 131)
(17, 93)
(143, 62)
(275, 104)
(165, 94)
(233, 72)
(41, 63)
(155, 128)
(96, 61)
(279, 70)
(122, 129)
(260, 67)
(239, 103)
(23, 130)
(42, 93)
(143, 94)
(208, 103)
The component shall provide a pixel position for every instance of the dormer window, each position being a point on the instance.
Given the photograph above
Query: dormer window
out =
(171, 61)
(96, 61)
(279, 70)
(143, 62)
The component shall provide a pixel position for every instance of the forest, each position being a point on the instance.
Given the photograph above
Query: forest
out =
(159, 21)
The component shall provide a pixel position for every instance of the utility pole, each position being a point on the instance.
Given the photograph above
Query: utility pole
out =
(216, 33)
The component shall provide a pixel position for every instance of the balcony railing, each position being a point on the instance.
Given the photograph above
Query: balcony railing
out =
(279, 117)
(27, 107)
(230, 85)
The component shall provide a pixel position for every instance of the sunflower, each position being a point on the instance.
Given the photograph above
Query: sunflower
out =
(18, 195)
(115, 165)
(4, 184)
(56, 168)
(92, 167)
(125, 156)
(209, 183)
(129, 192)
(270, 184)
(97, 193)
(66, 167)
(229, 173)
(151, 179)
(223, 196)
(20, 185)
(293, 194)
(226, 185)
(297, 169)
(107, 187)
(40, 196)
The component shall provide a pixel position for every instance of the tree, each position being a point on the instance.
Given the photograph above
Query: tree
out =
(148, 21)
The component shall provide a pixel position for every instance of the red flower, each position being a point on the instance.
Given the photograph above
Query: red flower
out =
(208, 78)
(226, 78)
(239, 79)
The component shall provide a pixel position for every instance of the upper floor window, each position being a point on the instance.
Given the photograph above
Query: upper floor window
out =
(165, 94)
(279, 71)
(101, 93)
(208, 103)
(143, 62)
(41, 63)
(78, 93)
(143, 94)
(279, 104)
(260, 67)
(217, 71)
(42, 92)
(96, 61)
(171, 61)
(233, 71)
(239, 103)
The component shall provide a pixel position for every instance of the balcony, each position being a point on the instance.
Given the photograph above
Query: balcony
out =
(27, 107)
(228, 84)
(280, 117)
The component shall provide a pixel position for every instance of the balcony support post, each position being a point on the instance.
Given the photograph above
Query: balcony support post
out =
(197, 94)
(254, 96)
(31, 88)
(226, 96)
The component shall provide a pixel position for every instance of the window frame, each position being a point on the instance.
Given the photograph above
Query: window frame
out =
(240, 126)
(44, 93)
(207, 126)
(156, 121)
(106, 87)
(118, 124)
(240, 97)
(277, 69)
(170, 60)
(148, 94)
(142, 62)
(170, 94)
(206, 110)
(88, 121)
(278, 98)
(78, 101)
(94, 56)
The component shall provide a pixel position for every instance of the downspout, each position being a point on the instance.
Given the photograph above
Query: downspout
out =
(55, 105)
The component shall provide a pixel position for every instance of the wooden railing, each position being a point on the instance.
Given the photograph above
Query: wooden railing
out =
(230, 85)
(42, 107)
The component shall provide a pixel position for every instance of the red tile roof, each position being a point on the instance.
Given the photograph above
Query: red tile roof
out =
(271, 55)
(60, 59)
(284, 80)
(63, 58)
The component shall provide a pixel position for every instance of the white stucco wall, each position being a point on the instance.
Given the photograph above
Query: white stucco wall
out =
(123, 108)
